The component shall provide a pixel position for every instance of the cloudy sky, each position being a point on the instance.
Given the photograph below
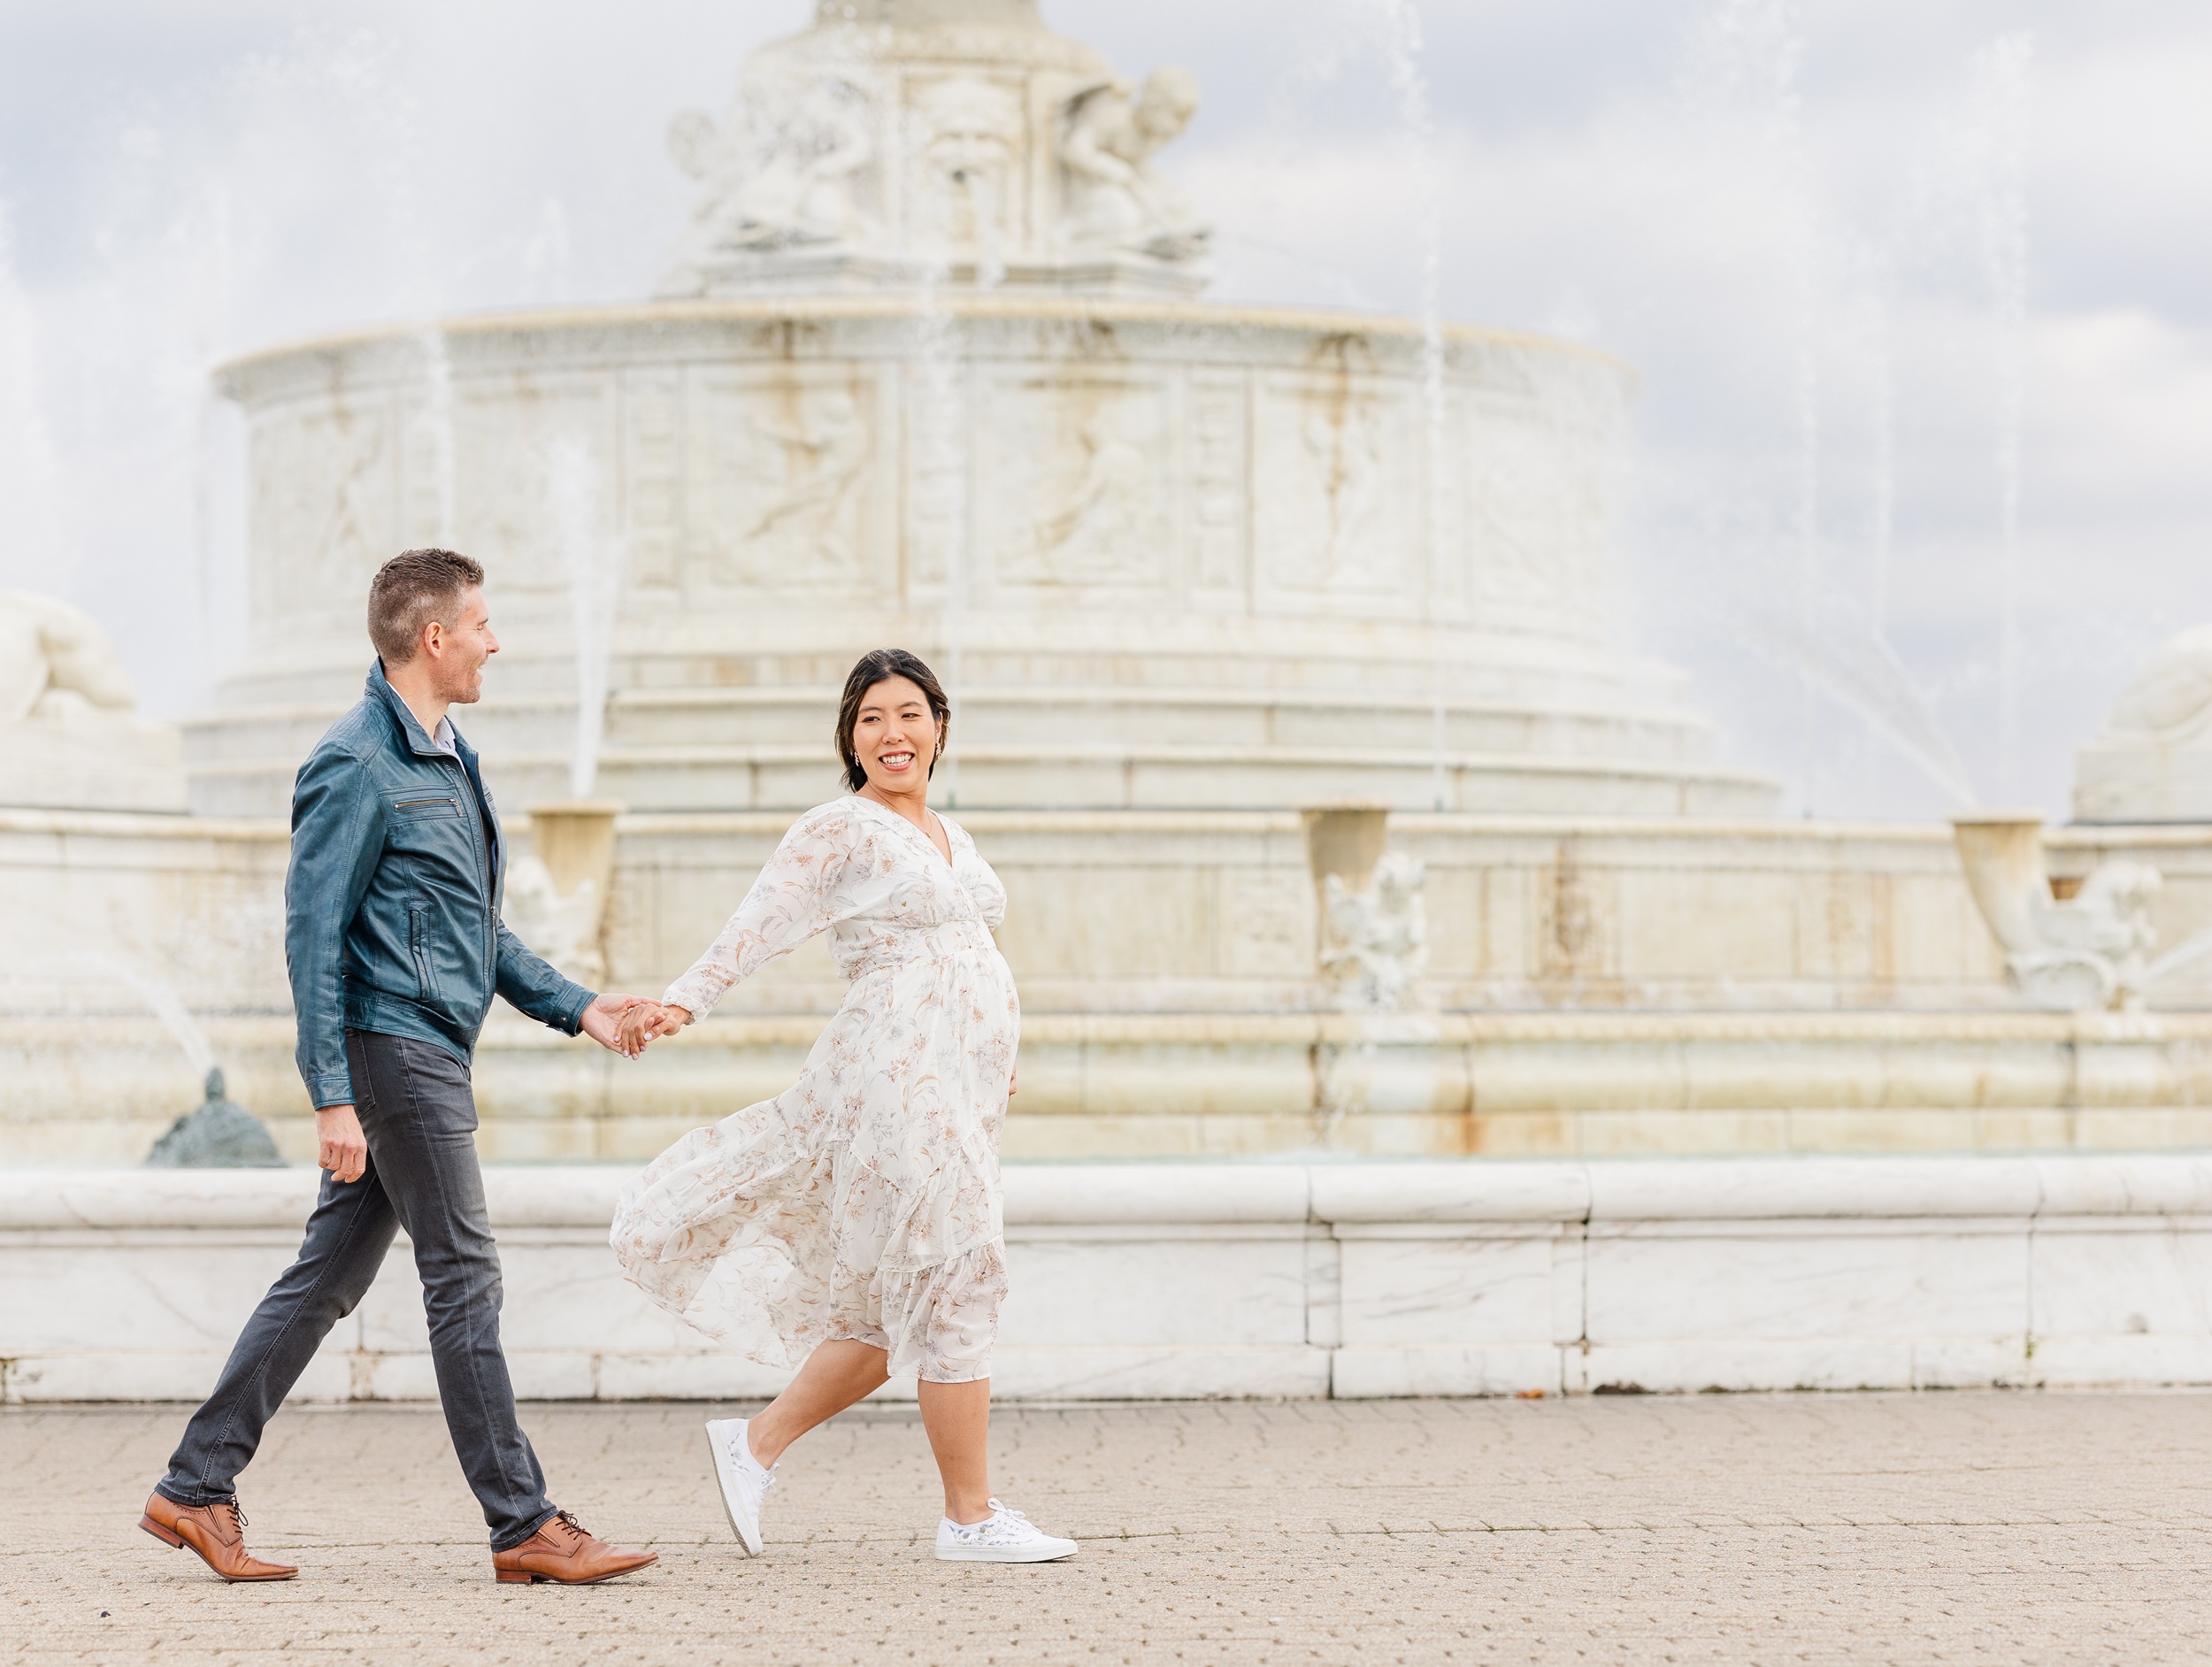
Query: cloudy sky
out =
(1851, 247)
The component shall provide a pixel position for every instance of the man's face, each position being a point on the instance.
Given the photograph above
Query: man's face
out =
(457, 651)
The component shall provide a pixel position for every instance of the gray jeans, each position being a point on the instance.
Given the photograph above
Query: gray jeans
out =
(419, 1117)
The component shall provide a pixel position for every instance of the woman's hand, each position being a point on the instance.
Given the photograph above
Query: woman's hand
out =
(1014, 1080)
(642, 1023)
(610, 1022)
(649, 1021)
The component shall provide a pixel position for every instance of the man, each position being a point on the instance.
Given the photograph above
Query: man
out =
(395, 948)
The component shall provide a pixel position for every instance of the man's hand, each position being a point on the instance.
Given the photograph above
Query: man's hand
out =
(339, 1145)
(604, 1022)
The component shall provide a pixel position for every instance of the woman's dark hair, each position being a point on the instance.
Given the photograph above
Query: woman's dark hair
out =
(875, 666)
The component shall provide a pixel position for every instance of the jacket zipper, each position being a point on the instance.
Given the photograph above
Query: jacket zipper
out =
(478, 836)
(419, 946)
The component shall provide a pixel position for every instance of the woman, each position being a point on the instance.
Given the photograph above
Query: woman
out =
(853, 1220)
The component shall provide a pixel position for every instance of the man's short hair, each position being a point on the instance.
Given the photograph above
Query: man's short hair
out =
(412, 589)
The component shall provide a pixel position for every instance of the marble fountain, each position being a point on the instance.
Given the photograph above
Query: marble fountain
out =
(1337, 827)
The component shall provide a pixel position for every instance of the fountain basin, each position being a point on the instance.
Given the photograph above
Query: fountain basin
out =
(1192, 536)
(1210, 1279)
(1678, 987)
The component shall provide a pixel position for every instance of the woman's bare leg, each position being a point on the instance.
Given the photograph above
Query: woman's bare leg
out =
(958, 1417)
(835, 1376)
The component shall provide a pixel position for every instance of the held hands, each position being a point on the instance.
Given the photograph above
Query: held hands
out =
(624, 1024)
(647, 1022)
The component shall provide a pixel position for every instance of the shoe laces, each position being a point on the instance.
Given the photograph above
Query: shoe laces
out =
(237, 1513)
(743, 1450)
(567, 1520)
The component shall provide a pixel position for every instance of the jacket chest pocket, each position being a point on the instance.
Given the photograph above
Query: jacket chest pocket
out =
(419, 947)
(427, 823)
(425, 807)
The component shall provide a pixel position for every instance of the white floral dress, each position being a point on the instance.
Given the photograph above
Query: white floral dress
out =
(863, 1202)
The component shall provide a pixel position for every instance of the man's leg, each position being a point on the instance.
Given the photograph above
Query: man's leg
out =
(352, 1228)
(420, 1123)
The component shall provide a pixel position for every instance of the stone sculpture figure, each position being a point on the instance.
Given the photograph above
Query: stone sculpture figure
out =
(2094, 944)
(2171, 698)
(70, 734)
(779, 168)
(55, 664)
(1378, 943)
(965, 134)
(1109, 134)
(565, 928)
(2153, 762)
(2073, 954)
(220, 1134)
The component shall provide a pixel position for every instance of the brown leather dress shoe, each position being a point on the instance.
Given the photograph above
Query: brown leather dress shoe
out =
(217, 1532)
(562, 1551)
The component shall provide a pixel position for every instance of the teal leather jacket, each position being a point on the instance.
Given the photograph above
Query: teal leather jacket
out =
(391, 903)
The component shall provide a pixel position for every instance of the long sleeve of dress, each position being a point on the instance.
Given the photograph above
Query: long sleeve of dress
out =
(790, 901)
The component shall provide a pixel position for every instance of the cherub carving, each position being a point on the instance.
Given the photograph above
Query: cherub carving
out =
(1109, 133)
(1377, 939)
(779, 168)
(2089, 949)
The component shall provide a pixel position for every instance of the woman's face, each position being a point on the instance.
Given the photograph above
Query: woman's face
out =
(895, 736)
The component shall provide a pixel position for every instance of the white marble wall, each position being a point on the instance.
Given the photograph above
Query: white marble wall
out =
(1595, 989)
(1185, 1279)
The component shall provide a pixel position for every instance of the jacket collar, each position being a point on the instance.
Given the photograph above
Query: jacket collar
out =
(410, 728)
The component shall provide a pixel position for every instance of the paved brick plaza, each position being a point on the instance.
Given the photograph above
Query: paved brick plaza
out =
(1849, 1528)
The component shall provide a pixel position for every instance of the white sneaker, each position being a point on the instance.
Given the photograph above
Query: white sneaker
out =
(745, 1485)
(1004, 1536)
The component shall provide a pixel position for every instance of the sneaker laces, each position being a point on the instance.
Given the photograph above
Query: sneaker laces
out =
(743, 1450)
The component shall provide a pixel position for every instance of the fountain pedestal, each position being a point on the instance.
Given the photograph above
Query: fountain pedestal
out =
(556, 897)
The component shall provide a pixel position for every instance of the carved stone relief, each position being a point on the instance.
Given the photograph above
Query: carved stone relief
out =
(1079, 485)
(1269, 923)
(858, 156)
(532, 477)
(1219, 475)
(786, 481)
(653, 483)
(1334, 488)
(968, 144)
(325, 509)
